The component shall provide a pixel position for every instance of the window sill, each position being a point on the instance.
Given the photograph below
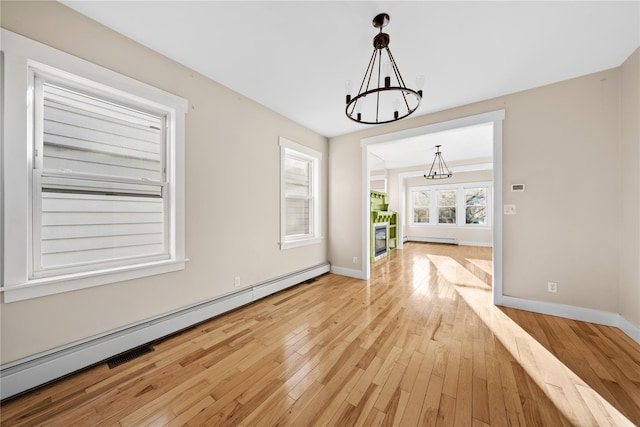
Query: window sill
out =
(298, 243)
(73, 282)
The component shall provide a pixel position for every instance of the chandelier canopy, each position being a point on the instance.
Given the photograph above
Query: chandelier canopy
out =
(439, 169)
(383, 96)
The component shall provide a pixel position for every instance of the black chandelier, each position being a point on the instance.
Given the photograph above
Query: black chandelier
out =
(377, 100)
(438, 167)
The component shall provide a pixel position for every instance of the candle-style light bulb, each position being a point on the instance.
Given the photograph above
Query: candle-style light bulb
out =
(396, 108)
(347, 88)
(387, 73)
(420, 84)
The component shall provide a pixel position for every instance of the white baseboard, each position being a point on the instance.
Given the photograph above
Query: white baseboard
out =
(576, 313)
(629, 328)
(22, 375)
(449, 240)
(262, 290)
(480, 244)
(349, 272)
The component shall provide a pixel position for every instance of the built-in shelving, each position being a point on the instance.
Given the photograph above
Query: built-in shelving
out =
(380, 213)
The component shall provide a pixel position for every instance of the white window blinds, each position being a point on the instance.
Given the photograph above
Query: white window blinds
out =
(300, 195)
(99, 182)
(85, 134)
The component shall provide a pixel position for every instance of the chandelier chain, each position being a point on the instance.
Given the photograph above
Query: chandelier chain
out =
(382, 108)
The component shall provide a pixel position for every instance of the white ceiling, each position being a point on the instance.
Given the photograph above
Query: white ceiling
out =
(295, 56)
(467, 145)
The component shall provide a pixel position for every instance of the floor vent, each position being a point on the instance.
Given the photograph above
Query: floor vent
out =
(129, 355)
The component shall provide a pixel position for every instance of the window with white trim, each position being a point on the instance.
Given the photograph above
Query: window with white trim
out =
(421, 206)
(475, 200)
(100, 187)
(457, 205)
(300, 195)
(96, 165)
(446, 206)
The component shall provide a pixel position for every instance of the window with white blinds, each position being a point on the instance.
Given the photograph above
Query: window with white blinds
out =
(94, 174)
(300, 195)
(99, 181)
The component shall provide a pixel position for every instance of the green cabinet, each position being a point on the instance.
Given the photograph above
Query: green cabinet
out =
(380, 213)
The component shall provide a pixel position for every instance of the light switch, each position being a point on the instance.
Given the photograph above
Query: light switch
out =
(509, 209)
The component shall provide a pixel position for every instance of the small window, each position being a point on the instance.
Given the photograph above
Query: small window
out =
(300, 210)
(475, 205)
(421, 206)
(446, 206)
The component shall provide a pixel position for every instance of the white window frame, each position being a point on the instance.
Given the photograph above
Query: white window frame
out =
(485, 205)
(455, 206)
(300, 152)
(460, 205)
(413, 206)
(22, 59)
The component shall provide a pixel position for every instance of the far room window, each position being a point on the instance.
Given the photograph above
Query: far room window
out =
(421, 206)
(446, 206)
(465, 205)
(300, 222)
(475, 205)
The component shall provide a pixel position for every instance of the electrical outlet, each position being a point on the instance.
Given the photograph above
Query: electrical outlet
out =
(552, 287)
(236, 281)
(355, 259)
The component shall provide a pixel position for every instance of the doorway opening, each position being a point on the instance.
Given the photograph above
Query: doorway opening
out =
(480, 161)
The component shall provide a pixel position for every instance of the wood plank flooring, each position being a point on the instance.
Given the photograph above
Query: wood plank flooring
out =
(409, 347)
(605, 358)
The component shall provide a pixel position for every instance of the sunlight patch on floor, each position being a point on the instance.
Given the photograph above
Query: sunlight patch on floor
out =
(485, 265)
(582, 405)
(456, 274)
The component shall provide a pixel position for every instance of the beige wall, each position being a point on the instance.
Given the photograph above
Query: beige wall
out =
(630, 180)
(555, 138)
(232, 193)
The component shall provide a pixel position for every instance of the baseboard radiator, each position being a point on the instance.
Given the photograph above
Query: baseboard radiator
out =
(447, 240)
(23, 375)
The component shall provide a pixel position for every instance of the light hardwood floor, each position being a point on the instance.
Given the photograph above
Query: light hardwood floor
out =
(418, 344)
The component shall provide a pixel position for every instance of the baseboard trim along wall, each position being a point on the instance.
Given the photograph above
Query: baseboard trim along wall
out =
(479, 244)
(576, 313)
(23, 375)
(448, 240)
(349, 272)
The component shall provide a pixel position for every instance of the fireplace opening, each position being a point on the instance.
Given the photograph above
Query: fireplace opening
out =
(380, 240)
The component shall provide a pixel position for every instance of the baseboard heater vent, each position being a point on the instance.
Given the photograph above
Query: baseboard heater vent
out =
(446, 240)
(128, 356)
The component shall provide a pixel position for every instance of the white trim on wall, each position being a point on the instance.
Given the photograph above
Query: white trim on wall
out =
(349, 272)
(497, 209)
(449, 240)
(576, 313)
